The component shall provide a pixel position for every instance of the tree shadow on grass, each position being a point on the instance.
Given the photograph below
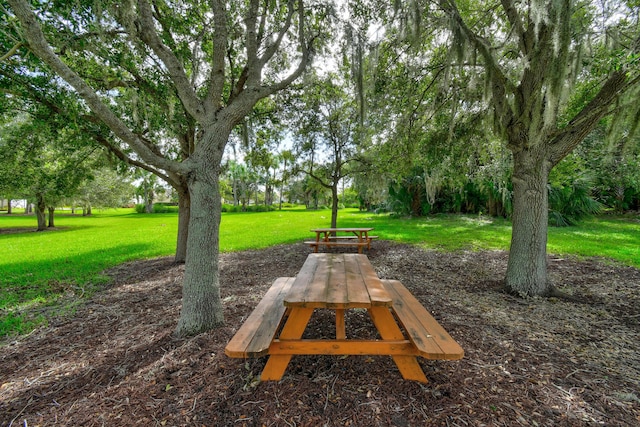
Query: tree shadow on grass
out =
(110, 343)
(30, 288)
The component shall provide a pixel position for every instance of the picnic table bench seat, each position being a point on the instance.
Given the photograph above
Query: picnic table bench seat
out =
(330, 243)
(342, 241)
(256, 333)
(349, 237)
(430, 339)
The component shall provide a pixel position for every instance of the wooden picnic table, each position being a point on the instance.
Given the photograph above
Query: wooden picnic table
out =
(341, 282)
(343, 236)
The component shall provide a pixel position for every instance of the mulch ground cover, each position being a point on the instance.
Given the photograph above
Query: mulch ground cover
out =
(528, 362)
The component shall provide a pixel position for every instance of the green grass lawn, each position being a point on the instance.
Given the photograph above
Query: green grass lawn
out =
(38, 268)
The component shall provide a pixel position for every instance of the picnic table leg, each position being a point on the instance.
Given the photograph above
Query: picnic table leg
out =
(340, 327)
(293, 329)
(389, 330)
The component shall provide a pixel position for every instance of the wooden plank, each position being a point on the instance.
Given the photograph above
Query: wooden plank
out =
(429, 337)
(334, 243)
(341, 332)
(344, 347)
(350, 238)
(345, 230)
(377, 292)
(337, 281)
(357, 288)
(337, 295)
(256, 333)
(317, 285)
(330, 281)
(298, 290)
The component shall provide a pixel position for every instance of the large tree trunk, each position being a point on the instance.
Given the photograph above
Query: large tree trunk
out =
(184, 212)
(201, 304)
(527, 265)
(51, 217)
(40, 213)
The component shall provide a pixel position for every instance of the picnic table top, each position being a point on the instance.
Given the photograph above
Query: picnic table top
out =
(337, 281)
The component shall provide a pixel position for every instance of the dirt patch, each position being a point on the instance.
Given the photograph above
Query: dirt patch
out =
(540, 362)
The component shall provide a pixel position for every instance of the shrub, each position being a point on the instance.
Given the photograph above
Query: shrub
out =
(569, 204)
(165, 208)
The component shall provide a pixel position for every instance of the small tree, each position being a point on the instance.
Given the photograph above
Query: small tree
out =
(46, 163)
(106, 189)
(327, 129)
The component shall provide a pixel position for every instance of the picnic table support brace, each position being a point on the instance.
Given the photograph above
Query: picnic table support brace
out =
(340, 326)
(293, 329)
(389, 330)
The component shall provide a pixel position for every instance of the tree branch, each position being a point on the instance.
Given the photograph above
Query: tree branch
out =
(121, 155)
(39, 45)
(11, 51)
(587, 119)
(252, 36)
(500, 84)
(618, 83)
(58, 110)
(220, 35)
(148, 35)
(307, 51)
(516, 23)
(271, 49)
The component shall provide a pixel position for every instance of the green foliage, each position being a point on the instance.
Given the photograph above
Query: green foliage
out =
(106, 188)
(570, 204)
(44, 161)
(410, 197)
(17, 324)
(158, 208)
(164, 208)
(249, 208)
